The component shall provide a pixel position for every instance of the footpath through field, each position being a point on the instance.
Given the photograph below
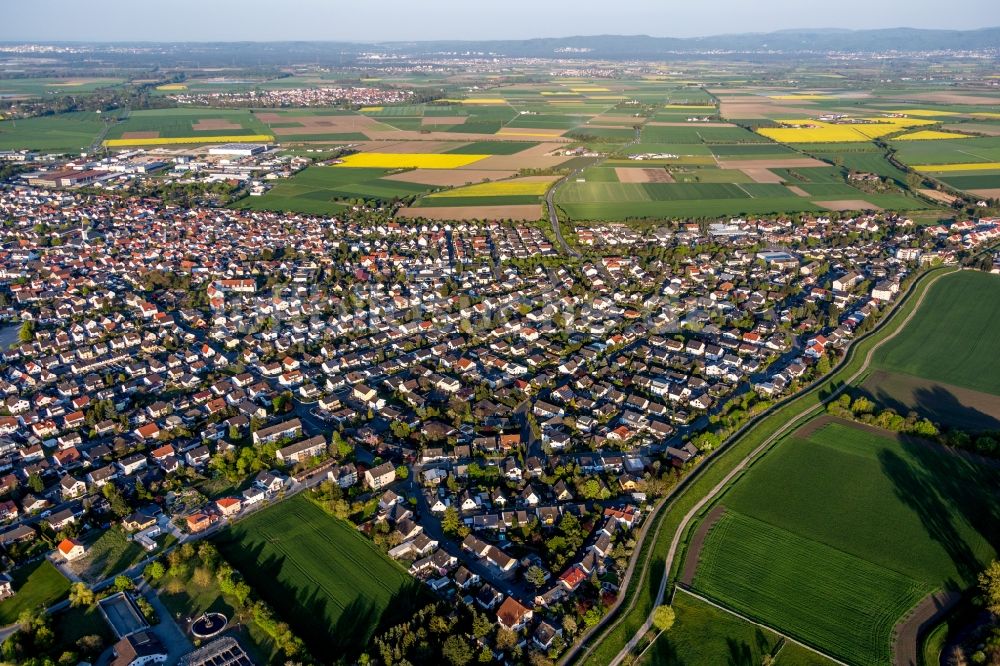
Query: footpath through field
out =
(784, 423)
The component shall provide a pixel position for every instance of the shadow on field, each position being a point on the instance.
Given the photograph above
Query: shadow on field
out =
(663, 652)
(308, 609)
(946, 488)
(937, 403)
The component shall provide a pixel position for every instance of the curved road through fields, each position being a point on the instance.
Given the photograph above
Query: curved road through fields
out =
(777, 434)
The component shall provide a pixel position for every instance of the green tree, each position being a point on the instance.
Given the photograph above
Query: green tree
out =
(663, 618)
(403, 472)
(156, 570)
(989, 585)
(80, 595)
(535, 576)
(35, 483)
(450, 522)
(457, 651)
(123, 583)
(26, 332)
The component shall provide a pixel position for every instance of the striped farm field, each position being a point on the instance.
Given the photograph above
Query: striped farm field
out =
(809, 590)
(174, 140)
(838, 564)
(409, 160)
(968, 166)
(323, 577)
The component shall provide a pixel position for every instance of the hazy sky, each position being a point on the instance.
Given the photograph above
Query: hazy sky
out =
(385, 20)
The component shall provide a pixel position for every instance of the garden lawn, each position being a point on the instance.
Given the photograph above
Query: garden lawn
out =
(38, 584)
(323, 577)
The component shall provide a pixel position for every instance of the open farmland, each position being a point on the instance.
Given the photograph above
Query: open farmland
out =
(187, 126)
(67, 132)
(806, 130)
(321, 190)
(409, 160)
(965, 308)
(792, 510)
(329, 582)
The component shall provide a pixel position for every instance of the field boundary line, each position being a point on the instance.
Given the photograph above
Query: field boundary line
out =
(682, 528)
(691, 593)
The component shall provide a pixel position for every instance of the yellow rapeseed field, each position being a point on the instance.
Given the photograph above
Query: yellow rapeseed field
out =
(164, 141)
(370, 109)
(408, 160)
(590, 89)
(929, 135)
(965, 166)
(498, 189)
(529, 131)
(815, 131)
(172, 86)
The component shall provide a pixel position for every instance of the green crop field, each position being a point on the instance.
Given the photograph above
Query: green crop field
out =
(329, 582)
(955, 151)
(834, 535)
(492, 148)
(46, 87)
(65, 132)
(176, 123)
(321, 190)
(844, 605)
(977, 182)
(38, 584)
(965, 308)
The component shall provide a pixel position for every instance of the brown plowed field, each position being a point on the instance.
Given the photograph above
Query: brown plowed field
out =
(526, 213)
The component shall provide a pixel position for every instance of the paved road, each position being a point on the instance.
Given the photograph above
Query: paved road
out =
(780, 432)
(554, 216)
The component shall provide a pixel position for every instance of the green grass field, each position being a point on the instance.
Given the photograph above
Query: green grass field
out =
(47, 87)
(845, 605)
(36, 585)
(833, 536)
(954, 336)
(63, 133)
(329, 582)
(181, 122)
(321, 190)
(704, 634)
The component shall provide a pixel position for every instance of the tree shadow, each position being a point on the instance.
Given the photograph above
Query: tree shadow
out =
(946, 488)
(663, 653)
(740, 653)
(938, 404)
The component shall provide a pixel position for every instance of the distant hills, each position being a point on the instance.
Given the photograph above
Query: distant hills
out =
(643, 46)
(774, 45)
